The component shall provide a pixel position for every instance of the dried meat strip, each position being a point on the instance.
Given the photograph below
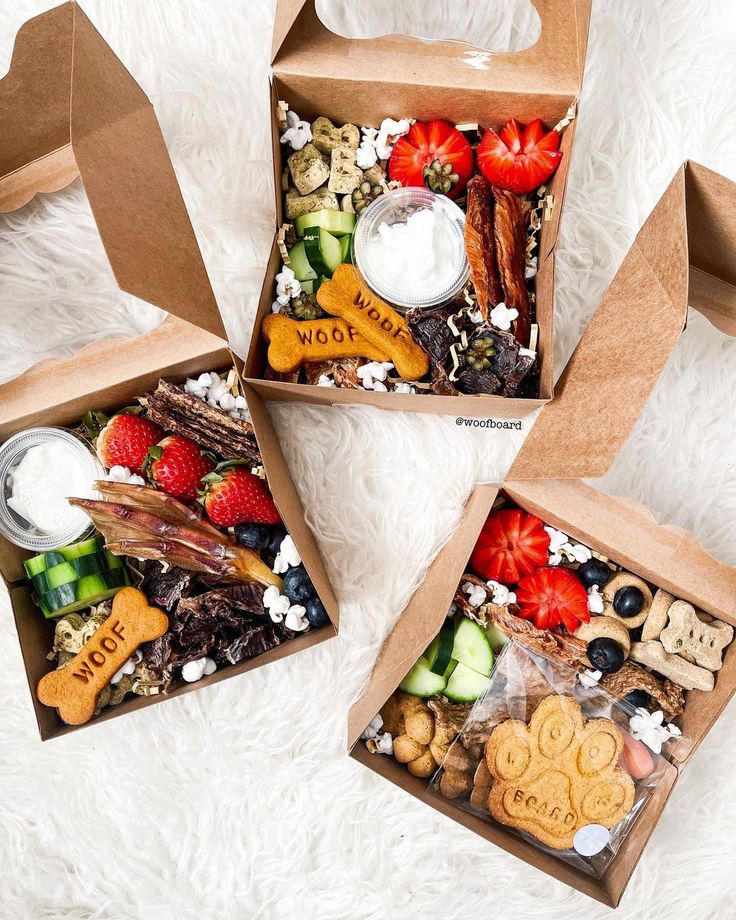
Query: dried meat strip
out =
(509, 227)
(480, 246)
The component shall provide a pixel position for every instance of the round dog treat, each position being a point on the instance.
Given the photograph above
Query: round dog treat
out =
(626, 580)
(601, 626)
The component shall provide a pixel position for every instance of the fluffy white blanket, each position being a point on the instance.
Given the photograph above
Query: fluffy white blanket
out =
(239, 801)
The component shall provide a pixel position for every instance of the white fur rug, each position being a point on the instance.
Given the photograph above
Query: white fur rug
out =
(239, 801)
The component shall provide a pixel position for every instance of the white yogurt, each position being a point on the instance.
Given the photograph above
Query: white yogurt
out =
(41, 483)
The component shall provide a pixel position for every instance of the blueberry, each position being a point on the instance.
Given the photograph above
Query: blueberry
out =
(639, 699)
(316, 613)
(595, 572)
(277, 535)
(297, 585)
(606, 655)
(254, 536)
(628, 602)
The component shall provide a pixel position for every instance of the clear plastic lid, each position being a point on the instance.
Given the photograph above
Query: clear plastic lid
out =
(39, 469)
(409, 245)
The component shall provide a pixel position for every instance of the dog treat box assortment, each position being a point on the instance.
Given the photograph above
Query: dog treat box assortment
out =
(410, 256)
(174, 501)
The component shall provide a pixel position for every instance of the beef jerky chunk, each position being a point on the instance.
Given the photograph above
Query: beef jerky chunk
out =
(431, 332)
(163, 586)
(475, 382)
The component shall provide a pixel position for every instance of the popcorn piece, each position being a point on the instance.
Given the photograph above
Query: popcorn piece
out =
(128, 668)
(648, 728)
(296, 618)
(403, 387)
(345, 174)
(123, 474)
(195, 670)
(277, 604)
(308, 169)
(287, 556)
(287, 286)
(381, 744)
(297, 204)
(388, 134)
(298, 133)
(374, 727)
(502, 316)
(595, 600)
(501, 594)
(589, 678)
(366, 156)
(326, 381)
(557, 539)
(476, 594)
(327, 137)
(374, 371)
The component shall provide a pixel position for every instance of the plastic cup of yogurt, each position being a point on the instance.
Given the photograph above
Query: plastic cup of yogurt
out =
(409, 246)
(39, 469)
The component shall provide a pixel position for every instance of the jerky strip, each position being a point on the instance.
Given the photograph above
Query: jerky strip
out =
(209, 426)
(510, 217)
(633, 677)
(480, 247)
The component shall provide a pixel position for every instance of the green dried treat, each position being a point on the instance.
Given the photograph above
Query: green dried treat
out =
(480, 352)
(364, 194)
(305, 306)
(440, 178)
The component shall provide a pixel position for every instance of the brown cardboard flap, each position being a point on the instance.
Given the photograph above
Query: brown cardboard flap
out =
(620, 355)
(420, 621)
(302, 44)
(67, 88)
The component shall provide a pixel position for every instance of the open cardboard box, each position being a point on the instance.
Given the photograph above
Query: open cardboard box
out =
(72, 109)
(686, 251)
(363, 81)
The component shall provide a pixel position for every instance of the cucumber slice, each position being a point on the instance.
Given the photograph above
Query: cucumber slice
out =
(299, 263)
(346, 249)
(337, 223)
(92, 589)
(44, 561)
(421, 681)
(307, 286)
(323, 251)
(472, 647)
(84, 548)
(439, 652)
(74, 570)
(496, 638)
(465, 685)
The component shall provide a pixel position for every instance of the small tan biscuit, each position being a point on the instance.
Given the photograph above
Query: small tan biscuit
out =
(345, 174)
(297, 204)
(689, 676)
(325, 136)
(657, 619)
(626, 580)
(295, 342)
(686, 634)
(601, 626)
(308, 169)
(348, 297)
(75, 688)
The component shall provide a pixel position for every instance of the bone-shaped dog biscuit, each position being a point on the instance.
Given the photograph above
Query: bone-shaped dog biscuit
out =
(75, 688)
(689, 676)
(686, 634)
(295, 342)
(348, 297)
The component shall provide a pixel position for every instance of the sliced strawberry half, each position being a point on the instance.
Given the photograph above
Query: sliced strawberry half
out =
(519, 158)
(553, 596)
(512, 544)
(434, 154)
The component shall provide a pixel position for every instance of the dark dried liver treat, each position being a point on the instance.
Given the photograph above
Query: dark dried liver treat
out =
(519, 374)
(430, 330)
(209, 426)
(483, 381)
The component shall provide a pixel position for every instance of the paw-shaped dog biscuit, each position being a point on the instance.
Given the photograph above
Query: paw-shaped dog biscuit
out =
(686, 634)
(75, 688)
(558, 773)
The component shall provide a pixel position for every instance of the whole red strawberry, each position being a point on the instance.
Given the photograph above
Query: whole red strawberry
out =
(552, 596)
(433, 154)
(519, 158)
(512, 544)
(126, 439)
(233, 495)
(176, 465)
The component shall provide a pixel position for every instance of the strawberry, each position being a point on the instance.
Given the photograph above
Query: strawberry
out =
(519, 158)
(176, 465)
(233, 495)
(433, 154)
(126, 439)
(552, 596)
(512, 544)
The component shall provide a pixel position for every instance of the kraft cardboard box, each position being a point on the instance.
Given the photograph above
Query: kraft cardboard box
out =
(685, 253)
(72, 109)
(316, 72)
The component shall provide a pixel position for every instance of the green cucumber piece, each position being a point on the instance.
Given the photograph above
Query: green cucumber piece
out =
(338, 223)
(299, 263)
(496, 638)
(346, 249)
(465, 685)
(439, 652)
(84, 548)
(421, 681)
(90, 590)
(74, 570)
(307, 286)
(472, 647)
(323, 251)
(44, 561)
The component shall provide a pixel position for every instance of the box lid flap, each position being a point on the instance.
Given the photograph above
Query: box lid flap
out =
(420, 621)
(69, 105)
(630, 338)
(302, 44)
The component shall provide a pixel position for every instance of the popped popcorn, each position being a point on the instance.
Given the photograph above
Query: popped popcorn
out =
(276, 603)
(374, 727)
(403, 387)
(648, 728)
(502, 316)
(287, 285)
(589, 678)
(476, 594)
(287, 556)
(298, 133)
(381, 744)
(296, 618)
(128, 668)
(220, 393)
(560, 546)
(501, 594)
(595, 600)
(388, 134)
(123, 474)
(195, 670)
(326, 381)
(557, 539)
(373, 374)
